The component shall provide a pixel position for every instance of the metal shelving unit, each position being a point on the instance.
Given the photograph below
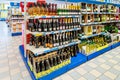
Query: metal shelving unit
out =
(75, 61)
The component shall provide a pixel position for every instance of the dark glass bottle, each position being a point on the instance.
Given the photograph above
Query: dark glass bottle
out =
(58, 59)
(42, 66)
(47, 64)
(72, 51)
(36, 41)
(37, 67)
(31, 25)
(64, 56)
(62, 24)
(36, 24)
(44, 40)
(57, 25)
(47, 24)
(54, 60)
(51, 61)
(31, 40)
(39, 41)
(39, 26)
(50, 24)
(42, 26)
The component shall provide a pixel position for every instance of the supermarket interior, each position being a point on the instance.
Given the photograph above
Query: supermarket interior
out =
(60, 40)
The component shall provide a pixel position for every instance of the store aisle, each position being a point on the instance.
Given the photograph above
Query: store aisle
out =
(12, 67)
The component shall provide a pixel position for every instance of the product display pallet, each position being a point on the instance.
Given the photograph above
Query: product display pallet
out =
(50, 42)
(75, 61)
(17, 34)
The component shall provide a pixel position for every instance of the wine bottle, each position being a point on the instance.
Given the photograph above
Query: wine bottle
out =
(61, 57)
(64, 56)
(63, 23)
(51, 41)
(30, 55)
(57, 25)
(54, 60)
(50, 24)
(37, 68)
(44, 41)
(58, 59)
(51, 61)
(42, 26)
(39, 41)
(39, 26)
(71, 51)
(31, 25)
(47, 24)
(42, 66)
(47, 64)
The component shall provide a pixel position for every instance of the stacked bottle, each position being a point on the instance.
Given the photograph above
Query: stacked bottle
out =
(69, 9)
(37, 9)
(47, 63)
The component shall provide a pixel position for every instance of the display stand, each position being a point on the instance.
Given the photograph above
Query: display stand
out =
(15, 19)
(75, 61)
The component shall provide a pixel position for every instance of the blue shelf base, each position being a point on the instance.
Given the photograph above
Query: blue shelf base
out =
(95, 54)
(115, 45)
(17, 34)
(21, 48)
(75, 61)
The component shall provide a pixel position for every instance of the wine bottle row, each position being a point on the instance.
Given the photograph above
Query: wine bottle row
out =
(69, 9)
(54, 40)
(98, 8)
(98, 18)
(93, 44)
(42, 9)
(46, 61)
(47, 25)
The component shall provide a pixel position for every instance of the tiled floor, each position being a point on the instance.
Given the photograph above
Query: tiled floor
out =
(104, 67)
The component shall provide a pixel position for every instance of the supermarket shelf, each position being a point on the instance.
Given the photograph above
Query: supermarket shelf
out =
(17, 18)
(75, 61)
(98, 13)
(38, 51)
(16, 33)
(52, 32)
(97, 23)
(36, 17)
(84, 37)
